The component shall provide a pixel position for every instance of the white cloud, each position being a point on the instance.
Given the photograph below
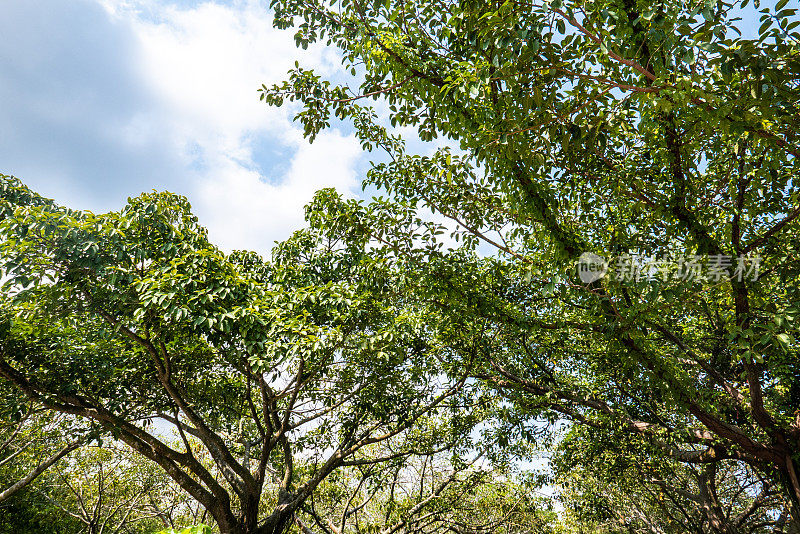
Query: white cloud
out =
(204, 65)
(242, 211)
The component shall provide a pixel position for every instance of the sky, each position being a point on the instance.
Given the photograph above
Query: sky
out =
(104, 99)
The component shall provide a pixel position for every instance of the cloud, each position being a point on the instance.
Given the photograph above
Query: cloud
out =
(66, 101)
(113, 97)
(257, 171)
(245, 212)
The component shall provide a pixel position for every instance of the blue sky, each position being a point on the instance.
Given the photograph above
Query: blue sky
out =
(104, 99)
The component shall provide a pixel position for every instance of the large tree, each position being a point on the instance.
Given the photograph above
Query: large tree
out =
(627, 128)
(273, 374)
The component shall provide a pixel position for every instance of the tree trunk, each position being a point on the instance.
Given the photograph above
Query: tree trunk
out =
(788, 477)
(275, 524)
(225, 520)
(793, 523)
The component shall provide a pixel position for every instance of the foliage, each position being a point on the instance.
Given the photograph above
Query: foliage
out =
(656, 494)
(28, 512)
(32, 440)
(430, 495)
(272, 374)
(197, 529)
(626, 128)
(111, 490)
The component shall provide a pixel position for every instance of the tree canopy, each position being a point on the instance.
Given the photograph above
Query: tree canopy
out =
(655, 136)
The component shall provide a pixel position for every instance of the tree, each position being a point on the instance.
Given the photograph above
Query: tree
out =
(31, 441)
(624, 128)
(653, 494)
(430, 494)
(282, 372)
(109, 491)
(30, 513)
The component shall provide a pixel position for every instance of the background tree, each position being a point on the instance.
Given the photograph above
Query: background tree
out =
(429, 494)
(631, 129)
(32, 439)
(111, 491)
(653, 494)
(28, 512)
